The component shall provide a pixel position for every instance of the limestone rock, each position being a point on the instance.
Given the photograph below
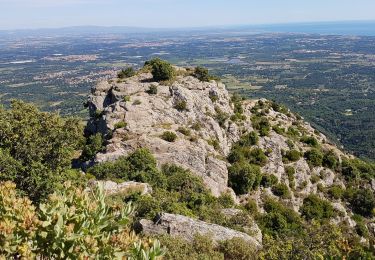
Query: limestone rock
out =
(177, 225)
(111, 187)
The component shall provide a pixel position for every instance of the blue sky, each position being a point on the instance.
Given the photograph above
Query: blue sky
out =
(177, 13)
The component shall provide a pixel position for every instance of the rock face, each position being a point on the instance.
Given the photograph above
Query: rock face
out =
(147, 116)
(177, 225)
(200, 115)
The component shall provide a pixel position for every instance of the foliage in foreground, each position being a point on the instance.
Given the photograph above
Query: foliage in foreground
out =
(72, 224)
(37, 148)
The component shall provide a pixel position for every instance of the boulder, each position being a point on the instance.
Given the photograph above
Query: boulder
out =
(177, 225)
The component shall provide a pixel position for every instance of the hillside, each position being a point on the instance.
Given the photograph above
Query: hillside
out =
(170, 166)
(283, 177)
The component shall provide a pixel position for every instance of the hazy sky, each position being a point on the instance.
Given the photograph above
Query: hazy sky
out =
(177, 13)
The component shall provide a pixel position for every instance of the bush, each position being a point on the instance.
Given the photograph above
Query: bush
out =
(336, 192)
(138, 166)
(169, 136)
(330, 160)
(152, 90)
(180, 105)
(237, 249)
(269, 180)
(244, 177)
(221, 117)
(185, 131)
(257, 156)
(362, 202)
(126, 73)
(41, 147)
(71, 224)
(120, 124)
(310, 140)
(293, 155)
(249, 139)
(94, 145)
(279, 219)
(202, 74)
(316, 208)
(290, 171)
(314, 157)
(281, 190)
(262, 125)
(161, 70)
(246, 154)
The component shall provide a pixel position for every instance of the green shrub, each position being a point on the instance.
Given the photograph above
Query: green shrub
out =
(71, 224)
(161, 70)
(137, 102)
(310, 140)
(314, 157)
(293, 132)
(281, 190)
(251, 155)
(180, 105)
(40, 146)
(316, 208)
(262, 125)
(126, 98)
(221, 117)
(94, 145)
(138, 166)
(336, 192)
(257, 156)
(126, 73)
(184, 131)
(244, 177)
(197, 126)
(237, 249)
(226, 200)
(314, 179)
(278, 129)
(169, 136)
(249, 139)
(279, 219)
(236, 99)
(269, 180)
(330, 160)
(292, 155)
(215, 143)
(120, 124)
(202, 74)
(362, 201)
(290, 171)
(152, 90)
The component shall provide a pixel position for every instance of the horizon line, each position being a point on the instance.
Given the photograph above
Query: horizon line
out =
(307, 23)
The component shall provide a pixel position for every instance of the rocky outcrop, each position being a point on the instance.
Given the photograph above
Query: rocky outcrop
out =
(147, 116)
(199, 113)
(177, 225)
(123, 188)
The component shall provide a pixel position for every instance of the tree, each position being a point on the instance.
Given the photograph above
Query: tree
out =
(161, 70)
(244, 177)
(37, 148)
